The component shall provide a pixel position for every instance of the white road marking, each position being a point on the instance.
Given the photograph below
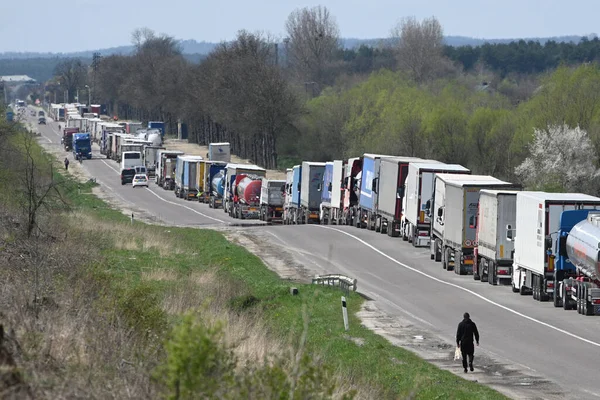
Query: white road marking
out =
(186, 207)
(463, 288)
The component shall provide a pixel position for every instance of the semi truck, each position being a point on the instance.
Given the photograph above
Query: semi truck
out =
(209, 169)
(186, 170)
(332, 206)
(164, 172)
(271, 200)
(367, 200)
(576, 277)
(539, 217)
(453, 212)
(351, 190)
(150, 159)
(157, 125)
(291, 207)
(416, 221)
(219, 152)
(310, 191)
(231, 170)
(82, 144)
(493, 253)
(246, 196)
(217, 185)
(67, 138)
(390, 180)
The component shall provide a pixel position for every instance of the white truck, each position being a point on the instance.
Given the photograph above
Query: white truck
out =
(493, 253)
(164, 174)
(454, 213)
(310, 191)
(416, 220)
(390, 181)
(219, 152)
(332, 208)
(538, 218)
(271, 200)
(150, 159)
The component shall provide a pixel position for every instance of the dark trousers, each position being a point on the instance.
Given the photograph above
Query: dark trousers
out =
(467, 349)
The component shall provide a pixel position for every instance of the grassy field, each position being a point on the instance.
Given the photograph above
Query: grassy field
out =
(162, 272)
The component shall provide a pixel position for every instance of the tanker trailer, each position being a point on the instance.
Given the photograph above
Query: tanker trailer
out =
(217, 188)
(579, 269)
(246, 198)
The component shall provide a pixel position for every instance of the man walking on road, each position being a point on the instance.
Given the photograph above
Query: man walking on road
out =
(66, 163)
(464, 339)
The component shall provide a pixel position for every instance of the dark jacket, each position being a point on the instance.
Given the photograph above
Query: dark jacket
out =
(465, 332)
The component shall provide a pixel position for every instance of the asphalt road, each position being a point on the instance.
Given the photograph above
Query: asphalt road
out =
(559, 345)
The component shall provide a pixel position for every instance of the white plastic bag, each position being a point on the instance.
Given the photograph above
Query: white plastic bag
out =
(457, 355)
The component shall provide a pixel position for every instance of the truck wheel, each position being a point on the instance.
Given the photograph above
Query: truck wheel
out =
(514, 289)
(491, 275)
(446, 263)
(566, 303)
(476, 274)
(556, 300)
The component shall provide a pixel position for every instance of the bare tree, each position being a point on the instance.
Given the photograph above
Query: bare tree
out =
(313, 40)
(38, 188)
(72, 75)
(142, 35)
(419, 47)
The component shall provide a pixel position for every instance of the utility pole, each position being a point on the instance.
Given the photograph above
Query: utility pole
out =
(95, 61)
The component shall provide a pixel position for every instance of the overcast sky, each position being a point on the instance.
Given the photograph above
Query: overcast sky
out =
(76, 25)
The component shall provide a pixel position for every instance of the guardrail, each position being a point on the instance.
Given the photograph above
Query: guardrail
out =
(343, 282)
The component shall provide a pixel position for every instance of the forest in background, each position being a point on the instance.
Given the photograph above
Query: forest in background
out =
(485, 107)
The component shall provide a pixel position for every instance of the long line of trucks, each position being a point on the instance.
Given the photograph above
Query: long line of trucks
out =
(538, 243)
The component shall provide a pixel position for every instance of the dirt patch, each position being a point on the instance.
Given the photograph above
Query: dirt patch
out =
(198, 150)
(257, 242)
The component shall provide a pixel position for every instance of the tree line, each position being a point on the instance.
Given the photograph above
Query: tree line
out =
(307, 98)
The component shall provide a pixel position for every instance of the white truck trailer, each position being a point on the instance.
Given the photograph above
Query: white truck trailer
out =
(538, 217)
(332, 208)
(416, 218)
(453, 223)
(493, 254)
(310, 191)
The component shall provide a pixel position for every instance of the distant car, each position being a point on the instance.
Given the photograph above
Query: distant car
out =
(127, 175)
(42, 121)
(140, 169)
(32, 113)
(41, 114)
(140, 180)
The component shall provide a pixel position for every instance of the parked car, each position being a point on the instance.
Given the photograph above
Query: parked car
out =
(41, 121)
(127, 175)
(140, 180)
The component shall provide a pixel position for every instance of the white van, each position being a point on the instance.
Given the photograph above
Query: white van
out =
(131, 159)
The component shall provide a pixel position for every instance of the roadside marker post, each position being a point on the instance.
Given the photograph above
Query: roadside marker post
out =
(131, 218)
(345, 313)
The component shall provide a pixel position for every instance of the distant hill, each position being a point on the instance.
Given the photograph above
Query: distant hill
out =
(195, 50)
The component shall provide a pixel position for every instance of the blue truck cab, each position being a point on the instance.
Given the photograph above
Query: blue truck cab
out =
(568, 219)
(82, 143)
